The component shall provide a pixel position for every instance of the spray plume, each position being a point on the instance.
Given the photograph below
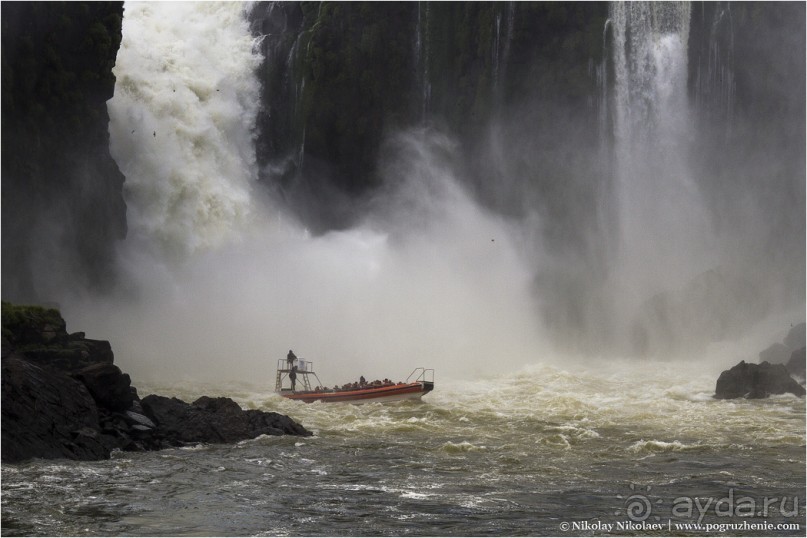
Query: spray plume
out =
(222, 283)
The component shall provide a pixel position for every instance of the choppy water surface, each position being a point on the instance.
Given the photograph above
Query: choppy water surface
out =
(523, 453)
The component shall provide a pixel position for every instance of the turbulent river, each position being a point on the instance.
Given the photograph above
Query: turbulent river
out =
(631, 448)
(552, 448)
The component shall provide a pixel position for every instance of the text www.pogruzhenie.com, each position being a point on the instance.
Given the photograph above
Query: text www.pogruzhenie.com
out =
(670, 526)
(643, 512)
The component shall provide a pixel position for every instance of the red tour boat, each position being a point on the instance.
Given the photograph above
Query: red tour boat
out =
(419, 382)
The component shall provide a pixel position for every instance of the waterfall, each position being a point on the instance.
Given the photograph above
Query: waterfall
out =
(496, 46)
(182, 122)
(423, 58)
(664, 234)
(715, 83)
(601, 77)
(501, 50)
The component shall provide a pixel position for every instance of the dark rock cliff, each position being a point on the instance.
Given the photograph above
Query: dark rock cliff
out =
(62, 203)
(62, 397)
(339, 77)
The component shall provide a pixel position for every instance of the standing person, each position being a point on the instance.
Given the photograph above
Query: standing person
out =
(290, 358)
(293, 377)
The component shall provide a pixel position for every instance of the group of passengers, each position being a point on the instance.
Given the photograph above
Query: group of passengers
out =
(360, 384)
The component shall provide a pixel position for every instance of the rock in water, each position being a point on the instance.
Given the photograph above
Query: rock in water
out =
(62, 397)
(747, 380)
(213, 420)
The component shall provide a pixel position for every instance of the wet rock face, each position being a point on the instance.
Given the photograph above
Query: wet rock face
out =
(111, 388)
(213, 420)
(47, 414)
(62, 397)
(752, 381)
(62, 190)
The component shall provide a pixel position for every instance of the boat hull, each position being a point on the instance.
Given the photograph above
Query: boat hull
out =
(391, 393)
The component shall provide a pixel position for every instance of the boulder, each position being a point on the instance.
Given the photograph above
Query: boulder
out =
(137, 419)
(796, 364)
(110, 387)
(62, 397)
(213, 420)
(748, 380)
(47, 414)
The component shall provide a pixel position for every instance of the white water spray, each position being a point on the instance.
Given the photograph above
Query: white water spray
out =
(182, 120)
(428, 279)
(665, 236)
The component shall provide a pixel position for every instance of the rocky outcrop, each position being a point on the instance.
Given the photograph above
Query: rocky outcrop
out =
(47, 414)
(109, 387)
(213, 420)
(752, 381)
(62, 397)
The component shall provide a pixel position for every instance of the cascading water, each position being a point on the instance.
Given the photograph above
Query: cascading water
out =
(208, 254)
(182, 121)
(715, 82)
(430, 278)
(501, 50)
(423, 56)
(664, 234)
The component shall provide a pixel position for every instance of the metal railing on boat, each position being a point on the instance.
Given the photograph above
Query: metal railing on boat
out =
(421, 375)
(304, 370)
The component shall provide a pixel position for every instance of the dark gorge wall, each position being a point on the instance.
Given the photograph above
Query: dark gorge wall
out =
(516, 85)
(62, 203)
(339, 77)
(747, 86)
(335, 75)
(526, 89)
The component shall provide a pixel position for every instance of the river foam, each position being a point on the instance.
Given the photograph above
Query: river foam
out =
(510, 454)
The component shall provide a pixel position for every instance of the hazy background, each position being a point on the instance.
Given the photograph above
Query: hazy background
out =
(545, 230)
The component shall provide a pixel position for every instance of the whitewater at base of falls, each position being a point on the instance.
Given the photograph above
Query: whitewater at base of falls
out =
(429, 278)
(514, 454)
